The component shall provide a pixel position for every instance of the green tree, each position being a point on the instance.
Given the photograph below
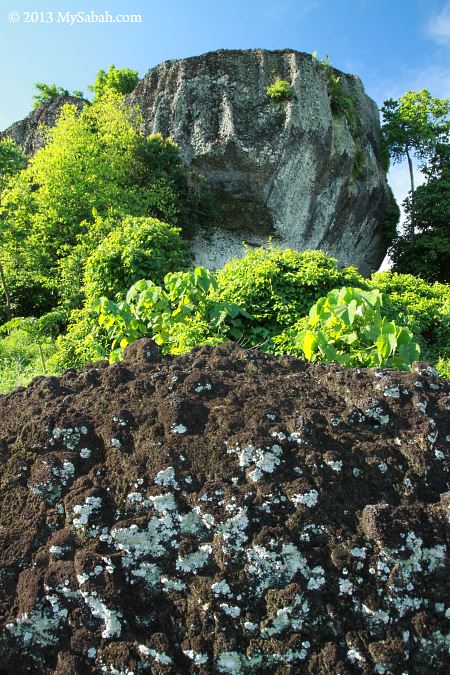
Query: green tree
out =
(12, 160)
(429, 254)
(414, 125)
(119, 80)
(47, 92)
(94, 161)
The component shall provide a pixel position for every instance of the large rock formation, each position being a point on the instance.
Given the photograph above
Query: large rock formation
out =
(292, 170)
(224, 512)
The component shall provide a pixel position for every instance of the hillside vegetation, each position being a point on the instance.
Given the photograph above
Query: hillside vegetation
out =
(94, 238)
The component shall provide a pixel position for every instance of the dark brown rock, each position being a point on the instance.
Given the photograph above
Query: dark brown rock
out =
(151, 523)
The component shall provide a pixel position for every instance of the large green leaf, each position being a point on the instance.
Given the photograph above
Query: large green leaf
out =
(310, 344)
(386, 344)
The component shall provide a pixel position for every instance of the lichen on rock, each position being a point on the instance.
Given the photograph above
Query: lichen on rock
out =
(172, 558)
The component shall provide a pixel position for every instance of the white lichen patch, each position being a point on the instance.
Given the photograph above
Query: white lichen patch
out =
(421, 406)
(178, 429)
(166, 478)
(41, 626)
(345, 587)
(203, 387)
(85, 453)
(378, 415)
(231, 610)
(392, 392)
(359, 552)
(59, 477)
(110, 618)
(164, 503)
(354, 656)
(269, 569)
(199, 658)
(260, 461)
(336, 465)
(292, 617)
(160, 657)
(233, 531)
(308, 499)
(83, 512)
(316, 578)
(153, 541)
(57, 552)
(193, 562)
(221, 588)
(135, 497)
(147, 572)
(70, 437)
(172, 585)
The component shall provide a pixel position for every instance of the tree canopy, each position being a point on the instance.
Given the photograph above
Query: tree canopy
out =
(120, 80)
(413, 126)
(47, 92)
(429, 254)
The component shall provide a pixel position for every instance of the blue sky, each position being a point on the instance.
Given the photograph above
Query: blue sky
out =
(392, 45)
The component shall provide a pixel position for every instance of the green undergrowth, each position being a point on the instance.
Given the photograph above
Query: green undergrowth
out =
(279, 301)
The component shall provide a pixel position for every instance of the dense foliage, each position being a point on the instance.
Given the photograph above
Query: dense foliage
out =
(47, 92)
(95, 162)
(428, 254)
(179, 315)
(265, 300)
(414, 126)
(422, 306)
(278, 286)
(120, 80)
(349, 326)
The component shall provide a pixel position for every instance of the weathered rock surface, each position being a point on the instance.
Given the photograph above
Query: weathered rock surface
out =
(28, 132)
(291, 170)
(224, 512)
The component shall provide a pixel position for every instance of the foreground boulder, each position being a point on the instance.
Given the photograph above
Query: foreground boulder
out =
(224, 511)
(303, 170)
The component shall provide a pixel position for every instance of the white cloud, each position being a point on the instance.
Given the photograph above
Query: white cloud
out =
(438, 27)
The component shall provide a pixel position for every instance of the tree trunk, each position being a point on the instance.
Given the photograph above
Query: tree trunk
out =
(411, 176)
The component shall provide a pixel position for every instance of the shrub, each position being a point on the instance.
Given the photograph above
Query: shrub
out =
(347, 326)
(280, 90)
(84, 342)
(277, 286)
(139, 248)
(422, 306)
(178, 316)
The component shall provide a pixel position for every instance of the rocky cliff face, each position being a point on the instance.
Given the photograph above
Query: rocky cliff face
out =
(28, 132)
(224, 511)
(291, 170)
